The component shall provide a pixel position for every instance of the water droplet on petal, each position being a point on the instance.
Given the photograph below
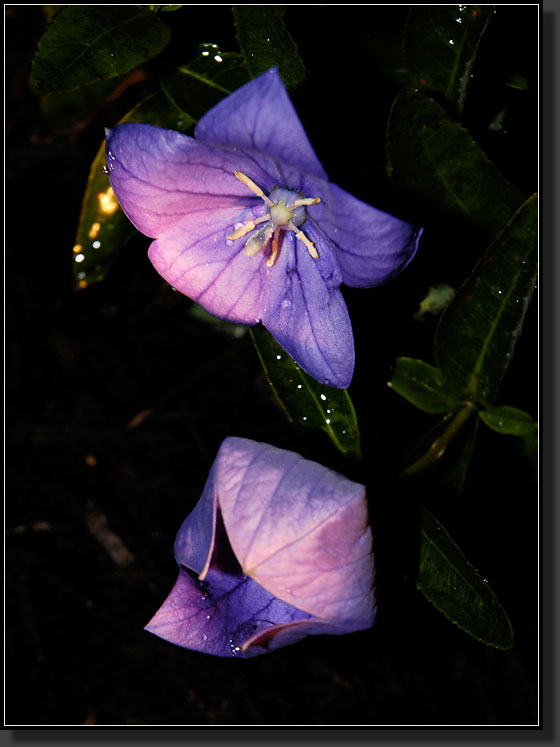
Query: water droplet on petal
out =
(229, 242)
(204, 637)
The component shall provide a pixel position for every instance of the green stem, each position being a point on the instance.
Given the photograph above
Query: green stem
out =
(439, 446)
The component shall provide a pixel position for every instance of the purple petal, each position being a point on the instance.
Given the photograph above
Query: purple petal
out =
(371, 245)
(196, 258)
(160, 176)
(227, 613)
(308, 317)
(221, 615)
(299, 529)
(259, 116)
(194, 543)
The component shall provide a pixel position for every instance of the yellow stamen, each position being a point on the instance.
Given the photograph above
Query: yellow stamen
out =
(253, 187)
(310, 246)
(272, 259)
(247, 227)
(305, 201)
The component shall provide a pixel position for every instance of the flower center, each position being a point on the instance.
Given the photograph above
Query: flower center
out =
(286, 212)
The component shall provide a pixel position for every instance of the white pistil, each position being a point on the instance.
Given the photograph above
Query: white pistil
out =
(281, 217)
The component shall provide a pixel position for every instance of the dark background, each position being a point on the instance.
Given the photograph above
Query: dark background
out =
(117, 400)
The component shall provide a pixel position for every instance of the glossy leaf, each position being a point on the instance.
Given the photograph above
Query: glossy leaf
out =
(265, 42)
(509, 420)
(435, 162)
(87, 43)
(452, 584)
(423, 385)
(440, 45)
(304, 399)
(477, 332)
(197, 87)
(103, 229)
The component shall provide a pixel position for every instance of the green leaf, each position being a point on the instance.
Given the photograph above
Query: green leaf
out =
(455, 588)
(436, 163)
(306, 401)
(202, 83)
(477, 332)
(440, 45)
(509, 420)
(69, 109)
(87, 43)
(265, 42)
(423, 385)
(103, 228)
(219, 325)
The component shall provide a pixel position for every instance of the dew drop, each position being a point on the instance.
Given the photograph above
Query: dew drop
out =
(229, 242)
(328, 421)
(104, 169)
(304, 418)
(451, 42)
(96, 244)
(323, 397)
(204, 637)
(299, 386)
(278, 357)
(208, 617)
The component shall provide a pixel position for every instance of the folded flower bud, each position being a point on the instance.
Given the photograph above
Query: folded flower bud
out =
(277, 548)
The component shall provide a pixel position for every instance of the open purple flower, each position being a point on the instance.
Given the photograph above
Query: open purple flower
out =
(246, 223)
(276, 549)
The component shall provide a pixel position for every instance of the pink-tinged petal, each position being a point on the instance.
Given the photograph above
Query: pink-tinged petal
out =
(259, 116)
(197, 259)
(371, 246)
(286, 634)
(159, 176)
(299, 529)
(222, 613)
(308, 317)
